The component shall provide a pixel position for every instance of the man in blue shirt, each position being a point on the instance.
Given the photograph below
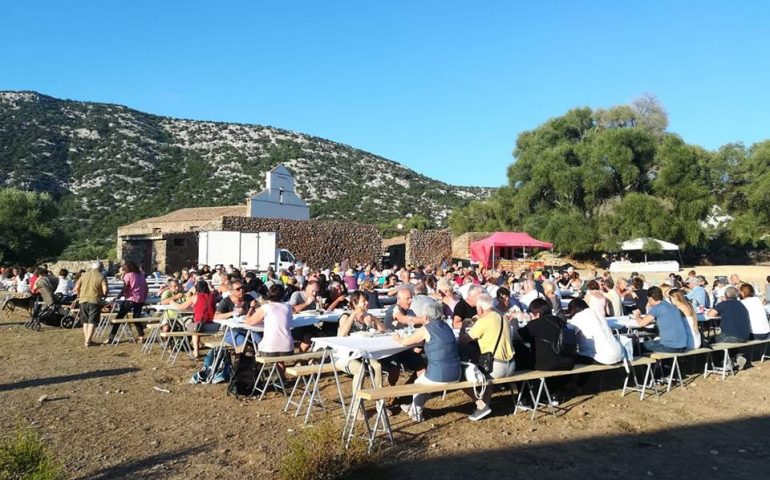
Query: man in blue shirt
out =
(735, 324)
(672, 326)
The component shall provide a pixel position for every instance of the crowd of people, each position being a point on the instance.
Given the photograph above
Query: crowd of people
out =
(514, 318)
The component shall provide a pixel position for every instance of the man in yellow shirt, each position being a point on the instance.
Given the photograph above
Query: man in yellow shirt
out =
(90, 289)
(493, 335)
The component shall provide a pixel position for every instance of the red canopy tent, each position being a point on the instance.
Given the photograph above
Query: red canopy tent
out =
(483, 250)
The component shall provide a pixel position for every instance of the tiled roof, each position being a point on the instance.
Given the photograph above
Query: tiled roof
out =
(193, 215)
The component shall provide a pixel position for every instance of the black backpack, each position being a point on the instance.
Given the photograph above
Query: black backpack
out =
(244, 375)
(565, 344)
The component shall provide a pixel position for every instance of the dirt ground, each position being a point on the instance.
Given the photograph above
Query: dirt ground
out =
(104, 419)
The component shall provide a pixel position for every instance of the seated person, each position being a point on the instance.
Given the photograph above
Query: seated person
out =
(735, 323)
(465, 309)
(421, 297)
(236, 304)
(360, 321)
(64, 287)
(204, 308)
(493, 335)
(595, 340)
(276, 317)
(337, 297)
(172, 295)
(541, 333)
(639, 295)
(760, 329)
(401, 314)
(672, 326)
(441, 349)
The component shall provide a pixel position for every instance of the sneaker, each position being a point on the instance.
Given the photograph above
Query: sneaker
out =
(479, 414)
(416, 417)
(740, 362)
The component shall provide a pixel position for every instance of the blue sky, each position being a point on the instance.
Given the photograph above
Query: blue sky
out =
(442, 87)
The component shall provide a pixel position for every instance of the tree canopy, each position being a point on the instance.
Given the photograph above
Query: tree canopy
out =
(590, 179)
(28, 232)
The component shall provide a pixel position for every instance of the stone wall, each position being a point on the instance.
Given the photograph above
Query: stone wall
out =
(461, 245)
(180, 250)
(73, 266)
(319, 243)
(428, 247)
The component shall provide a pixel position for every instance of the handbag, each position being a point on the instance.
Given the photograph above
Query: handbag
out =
(487, 360)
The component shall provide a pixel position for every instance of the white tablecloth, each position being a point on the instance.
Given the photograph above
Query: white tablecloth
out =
(625, 321)
(374, 348)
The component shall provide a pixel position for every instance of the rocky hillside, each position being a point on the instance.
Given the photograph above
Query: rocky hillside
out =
(110, 165)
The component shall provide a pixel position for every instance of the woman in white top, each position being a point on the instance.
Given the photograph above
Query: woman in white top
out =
(596, 300)
(65, 284)
(680, 301)
(595, 339)
(760, 328)
(276, 317)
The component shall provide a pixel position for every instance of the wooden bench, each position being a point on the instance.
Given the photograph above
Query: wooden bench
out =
(379, 395)
(675, 370)
(125, 331)
(723, 370)
(307, 376)
(268, 372)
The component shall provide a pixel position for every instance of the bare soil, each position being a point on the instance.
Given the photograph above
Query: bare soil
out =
(104, 419)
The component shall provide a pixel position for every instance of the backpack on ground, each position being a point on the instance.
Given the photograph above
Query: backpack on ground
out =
(565, 344)
(219, 375)
(244, 375)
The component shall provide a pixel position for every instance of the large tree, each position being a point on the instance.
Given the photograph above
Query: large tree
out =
(28, 231)
(590, 179)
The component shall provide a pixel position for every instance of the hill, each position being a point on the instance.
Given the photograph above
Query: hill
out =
(108, 165)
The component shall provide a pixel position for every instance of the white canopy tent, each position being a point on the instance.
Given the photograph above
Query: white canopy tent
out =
(638, 244)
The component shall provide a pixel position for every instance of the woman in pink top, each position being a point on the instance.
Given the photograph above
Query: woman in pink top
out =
(134, 294)
(276, 317)
(596, 299)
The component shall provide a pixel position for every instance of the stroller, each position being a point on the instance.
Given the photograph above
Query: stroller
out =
(55, 313)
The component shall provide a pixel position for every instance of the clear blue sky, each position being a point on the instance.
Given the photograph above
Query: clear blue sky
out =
(443, 87)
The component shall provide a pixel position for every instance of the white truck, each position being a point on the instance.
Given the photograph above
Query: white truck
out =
(245, 251)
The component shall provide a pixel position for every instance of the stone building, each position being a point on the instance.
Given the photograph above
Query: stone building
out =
(419, 247)
(169, 242)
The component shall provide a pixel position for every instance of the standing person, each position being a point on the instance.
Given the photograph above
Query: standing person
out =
(134, 294)
(90, 288)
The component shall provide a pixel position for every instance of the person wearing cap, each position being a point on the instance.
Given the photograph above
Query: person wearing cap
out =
(91, 288)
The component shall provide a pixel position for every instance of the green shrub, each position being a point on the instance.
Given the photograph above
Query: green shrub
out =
(319, 453)
(23, 457)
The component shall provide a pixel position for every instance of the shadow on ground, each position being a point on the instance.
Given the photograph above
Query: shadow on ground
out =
(39, 382)
(155, 466)
(735, 449)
